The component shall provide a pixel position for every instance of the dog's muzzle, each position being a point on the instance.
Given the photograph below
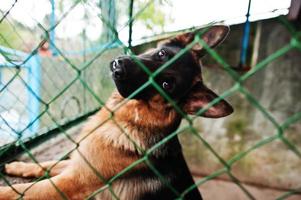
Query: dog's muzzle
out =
(118, 69)
(128, 76)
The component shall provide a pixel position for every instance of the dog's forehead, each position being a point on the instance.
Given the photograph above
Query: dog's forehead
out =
(169, 48)
(172, 48)
(149, 51)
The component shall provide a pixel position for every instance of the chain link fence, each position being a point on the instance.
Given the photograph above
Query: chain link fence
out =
(51, 85)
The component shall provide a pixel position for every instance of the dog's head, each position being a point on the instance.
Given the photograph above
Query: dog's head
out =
(181, 79)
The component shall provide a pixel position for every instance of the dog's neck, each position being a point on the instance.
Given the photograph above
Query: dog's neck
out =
(143, 123)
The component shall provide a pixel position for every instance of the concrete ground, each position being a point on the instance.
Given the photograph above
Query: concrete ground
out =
(225, 190)
(212, 190)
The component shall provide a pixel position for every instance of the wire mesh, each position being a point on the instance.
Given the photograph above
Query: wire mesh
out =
(76, 78)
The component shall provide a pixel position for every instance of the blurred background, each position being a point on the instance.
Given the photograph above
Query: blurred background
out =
(54, 57)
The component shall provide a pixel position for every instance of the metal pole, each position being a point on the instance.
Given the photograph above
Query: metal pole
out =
(131, 22)
(34, 83)
(245, 39)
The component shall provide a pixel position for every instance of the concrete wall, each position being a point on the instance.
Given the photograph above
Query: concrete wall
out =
(277, 89)
(70, 94)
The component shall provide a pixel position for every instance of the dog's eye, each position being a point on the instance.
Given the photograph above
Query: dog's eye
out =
(162, 54)
(168, 85)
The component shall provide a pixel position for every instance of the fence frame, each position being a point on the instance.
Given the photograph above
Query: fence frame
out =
(33, 68)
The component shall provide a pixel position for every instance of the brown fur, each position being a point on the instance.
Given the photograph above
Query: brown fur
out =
(99, 147)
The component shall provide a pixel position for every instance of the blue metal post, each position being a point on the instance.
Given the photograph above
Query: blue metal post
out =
(245, 39)
(0, 78)
(34, 82)
(33, 65)
(131, 6)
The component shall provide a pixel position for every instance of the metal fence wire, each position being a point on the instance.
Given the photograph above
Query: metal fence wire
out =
(78, 78)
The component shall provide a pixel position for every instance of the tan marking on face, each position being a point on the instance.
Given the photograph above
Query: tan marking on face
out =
(137, 117)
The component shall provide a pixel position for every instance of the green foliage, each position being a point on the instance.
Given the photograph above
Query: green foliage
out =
(153, 16)
(8, 36)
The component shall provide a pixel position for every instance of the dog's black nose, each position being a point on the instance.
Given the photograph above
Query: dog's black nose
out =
(118, 69)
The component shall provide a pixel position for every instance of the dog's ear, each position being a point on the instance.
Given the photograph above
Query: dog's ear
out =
(199, 97)
(213, 36)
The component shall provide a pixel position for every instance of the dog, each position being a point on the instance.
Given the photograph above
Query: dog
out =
(128, 127)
